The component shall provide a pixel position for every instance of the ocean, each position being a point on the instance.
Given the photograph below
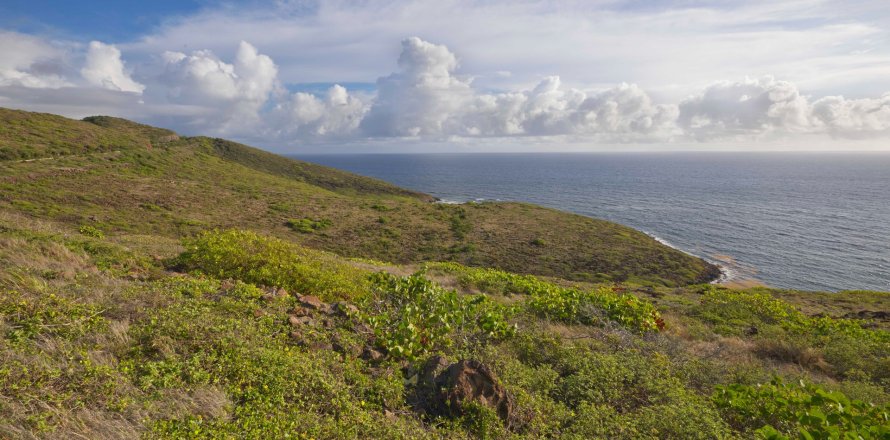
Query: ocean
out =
(810, 221)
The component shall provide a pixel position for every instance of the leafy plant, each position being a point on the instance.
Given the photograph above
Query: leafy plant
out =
(780, 410)
(258, 259)
(559, 303)
(414, 316)
(91, 231)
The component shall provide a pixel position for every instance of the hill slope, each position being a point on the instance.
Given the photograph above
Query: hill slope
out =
(123, 314)
(125, 178)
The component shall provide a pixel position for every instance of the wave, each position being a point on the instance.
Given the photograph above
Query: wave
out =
(727, 273)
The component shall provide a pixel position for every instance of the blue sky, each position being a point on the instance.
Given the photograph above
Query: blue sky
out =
(106, 20)
(568, 75)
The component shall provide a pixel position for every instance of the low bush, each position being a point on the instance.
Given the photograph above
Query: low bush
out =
(413, 316)
(263, 260)
(780, 410)
(564, 304)
(308, 225)
(91, 231)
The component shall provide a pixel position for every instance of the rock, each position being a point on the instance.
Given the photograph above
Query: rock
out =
(372, 355)
(467, 381)
(296, 335)
(259, 313)
(299, 311)
(298, 321)
(314, 303)
(345, 309)
(281, 293)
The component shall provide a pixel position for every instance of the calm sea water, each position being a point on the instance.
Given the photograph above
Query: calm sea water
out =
(805, 221)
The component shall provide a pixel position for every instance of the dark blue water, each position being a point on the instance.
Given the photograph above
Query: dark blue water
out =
(805, 221)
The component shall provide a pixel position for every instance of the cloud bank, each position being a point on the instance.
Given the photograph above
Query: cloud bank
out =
(426, 98)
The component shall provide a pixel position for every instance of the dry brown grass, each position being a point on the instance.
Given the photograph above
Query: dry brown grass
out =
(786, 351)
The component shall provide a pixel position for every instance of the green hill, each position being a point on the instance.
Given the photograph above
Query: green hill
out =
(125, 178)
(158, 286)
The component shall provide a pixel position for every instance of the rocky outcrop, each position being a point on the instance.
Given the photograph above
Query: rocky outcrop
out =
(446, 390)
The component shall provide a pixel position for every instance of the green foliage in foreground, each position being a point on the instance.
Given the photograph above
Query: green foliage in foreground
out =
(779, 410)
(96, 342)
(563, 304)
(415, 317)
(268, 261)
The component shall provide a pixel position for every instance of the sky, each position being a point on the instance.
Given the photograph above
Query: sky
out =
(300, 76)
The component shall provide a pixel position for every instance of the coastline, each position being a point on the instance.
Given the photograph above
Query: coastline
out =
(729, 276)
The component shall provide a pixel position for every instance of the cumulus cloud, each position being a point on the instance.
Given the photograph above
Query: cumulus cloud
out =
(30, 62)
(422, 97)
(426, 98)
(853, 118)
(335, 115)
(104, 68)
(750, 107)
(232, 94)
(623, 112)
(765, 106)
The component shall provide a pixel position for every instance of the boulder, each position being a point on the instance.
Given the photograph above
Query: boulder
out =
(445, 391)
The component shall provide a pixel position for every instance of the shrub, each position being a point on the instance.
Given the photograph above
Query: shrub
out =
(91, 231)
(263, 260)
(415, 317)
(308, 225)
(779, 410)
(564, 304)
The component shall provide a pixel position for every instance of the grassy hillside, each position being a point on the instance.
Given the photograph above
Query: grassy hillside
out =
(128, 179)
(100, 339)
(202, 289)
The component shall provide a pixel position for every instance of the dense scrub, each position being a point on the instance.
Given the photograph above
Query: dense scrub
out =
(100, 341)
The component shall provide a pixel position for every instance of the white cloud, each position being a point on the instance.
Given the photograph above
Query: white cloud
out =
(854, 118)
(750, 107)
(231, 94)
(422, 97)
(621, 113)
(429, 99)
(30, 62)
(671, 48)
(303, 115)
(104, 68)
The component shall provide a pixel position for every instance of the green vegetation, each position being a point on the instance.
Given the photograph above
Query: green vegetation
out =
(253, 258)
(307, 225)
(414, 318)
(779, 410)
(125, 178)
(160, 294)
